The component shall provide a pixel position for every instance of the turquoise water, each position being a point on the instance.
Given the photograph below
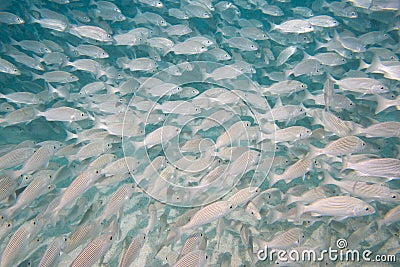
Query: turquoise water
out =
(137, 122)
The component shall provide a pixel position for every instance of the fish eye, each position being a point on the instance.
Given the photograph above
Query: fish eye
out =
(301, 110)
(351, 104)
(18, 19)
(108, 36)
(302, 86)
(393, 196)
(366, 208)
(202, 47)
(82, 114)
(382, 87)
(49, 187)
(163, 22)
(231, 206)
(97, 171)
(9, 225)
(111, 237)
(353, 13)
(15, 70)
(252, 46)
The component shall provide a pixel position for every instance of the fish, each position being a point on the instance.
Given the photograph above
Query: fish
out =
(293, 26)
(133, 250)
(194, 258)
(94, 250)
(208, 214)
(338, 206)
(10, 18)
(381, 167)
(342, 146)
(363, 189)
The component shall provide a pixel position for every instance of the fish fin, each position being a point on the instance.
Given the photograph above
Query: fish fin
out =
(278, 102)
(380, 223)
(274, 216)
(70, 135)
(300, 209)
(345, 164)
(319, 45)
(328, 179)
(363, 65)
(36, 76)
(273, 179)
(314, 151)
(375, 66)
(381, 103)
(292, 199)
(306, 55)
(273, 26)
(308, 95)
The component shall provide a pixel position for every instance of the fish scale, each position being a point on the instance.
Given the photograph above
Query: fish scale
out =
(133, 250)
(39, 159)
(93, 251)
(194, 258)
(117, 201)
(18, 243)
(208, 214)
(15, 157)
(81, 235)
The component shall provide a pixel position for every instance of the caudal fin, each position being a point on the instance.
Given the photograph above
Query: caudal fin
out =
(300, 209)
(381, 104)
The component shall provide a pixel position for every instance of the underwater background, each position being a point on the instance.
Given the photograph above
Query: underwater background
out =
(199, 133)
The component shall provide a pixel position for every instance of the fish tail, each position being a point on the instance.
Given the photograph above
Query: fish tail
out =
(35, 76)
(363, 65)
(299, 209)
(381, 104)
(291, 199)
(345, 165)
(375, 65)
(70, 135)
(274, 216)
(273, 179)
(314, 151)
(308, 95)
(328, 179)
(380, 223)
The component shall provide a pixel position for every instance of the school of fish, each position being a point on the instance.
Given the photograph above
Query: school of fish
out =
(197, 132)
